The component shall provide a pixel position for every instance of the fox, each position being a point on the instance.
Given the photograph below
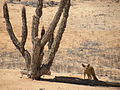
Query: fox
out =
(89, 70)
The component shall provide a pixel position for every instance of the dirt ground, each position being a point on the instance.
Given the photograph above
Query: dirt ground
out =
(10, 80)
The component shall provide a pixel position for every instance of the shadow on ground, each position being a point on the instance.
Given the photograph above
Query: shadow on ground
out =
(79, 81)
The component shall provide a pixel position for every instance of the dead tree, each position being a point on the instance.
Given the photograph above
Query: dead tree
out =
(34, 61)
(50, 42)
(42, 32)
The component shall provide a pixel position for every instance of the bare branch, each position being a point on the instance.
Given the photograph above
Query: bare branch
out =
(39, 8)
(9, 27)
(24, 52)
(50, 42)
(42, 32)
(35, 23)
(24, 28)
(53, 23)
(60, 32)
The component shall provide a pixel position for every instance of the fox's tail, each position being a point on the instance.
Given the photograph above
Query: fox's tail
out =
(94, 75)
(95, 78)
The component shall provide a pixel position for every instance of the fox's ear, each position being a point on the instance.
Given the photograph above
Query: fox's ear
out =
(88, 65)
(83, 65)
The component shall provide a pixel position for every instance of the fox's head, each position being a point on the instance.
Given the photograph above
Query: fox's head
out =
(85, 66)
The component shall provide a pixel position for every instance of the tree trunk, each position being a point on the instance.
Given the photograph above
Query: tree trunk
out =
(37, 54)
(37, 69)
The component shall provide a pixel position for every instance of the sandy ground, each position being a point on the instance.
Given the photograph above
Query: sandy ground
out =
(10, 80)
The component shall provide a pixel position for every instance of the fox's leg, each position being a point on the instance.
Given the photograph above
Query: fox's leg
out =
(94, 76)
(84, 75)
(21, 75)
(90, 77)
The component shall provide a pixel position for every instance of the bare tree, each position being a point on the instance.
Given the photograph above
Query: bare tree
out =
(34, 60)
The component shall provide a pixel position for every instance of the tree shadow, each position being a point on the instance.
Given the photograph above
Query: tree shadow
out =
(79, 81)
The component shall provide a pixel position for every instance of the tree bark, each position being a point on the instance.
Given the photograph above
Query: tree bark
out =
(24, 52)
(53, 24)
(50, 42)
(37, 54)
(58, 38)
(36, 18)
(42, 32)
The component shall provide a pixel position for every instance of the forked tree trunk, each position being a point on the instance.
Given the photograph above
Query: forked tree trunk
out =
(18, 44)
(34, 61)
